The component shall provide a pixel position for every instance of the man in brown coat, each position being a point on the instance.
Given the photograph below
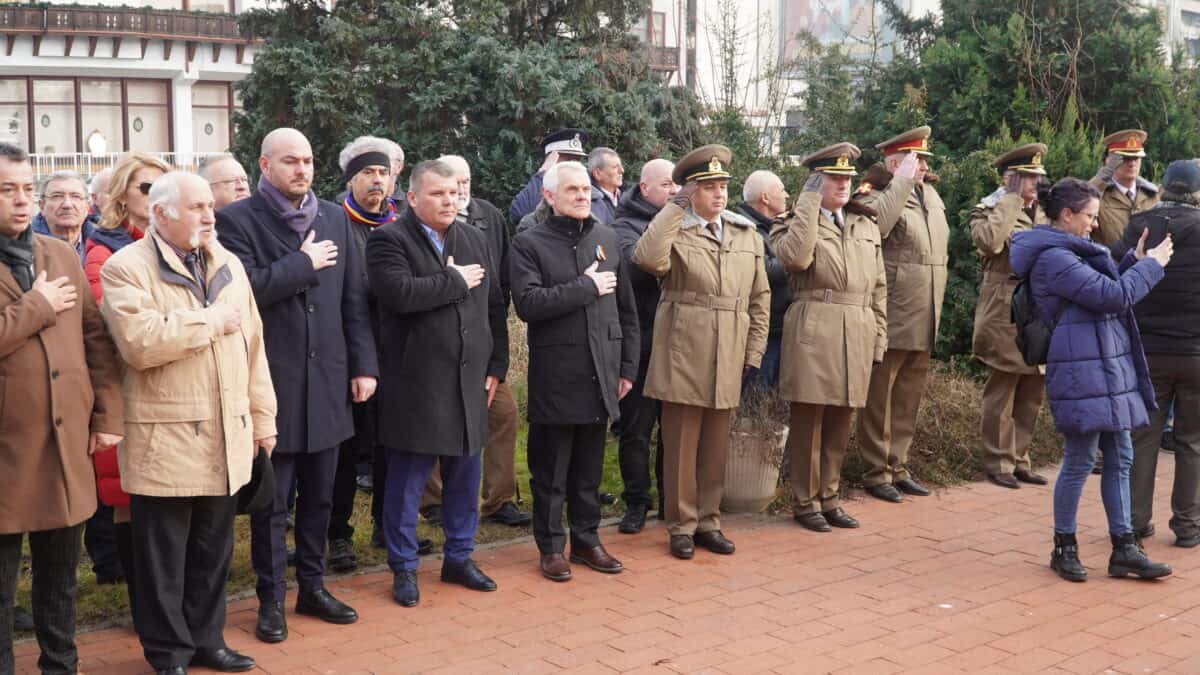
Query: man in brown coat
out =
(837, 324)
(60, 399)
(914, 254)
(1013, 393)
(199, 405)
(1123, 192)
(710, 327)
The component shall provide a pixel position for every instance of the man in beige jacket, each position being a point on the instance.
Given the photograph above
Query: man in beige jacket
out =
(914, 254)
(711, 326)
(199, 405)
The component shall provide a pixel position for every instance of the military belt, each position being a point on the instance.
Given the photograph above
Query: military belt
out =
(718, 302)
(828, 295)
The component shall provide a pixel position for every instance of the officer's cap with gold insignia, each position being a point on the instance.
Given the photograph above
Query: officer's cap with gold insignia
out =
(836, 160)
(1129, 143)
(914, 140)
(567, 142)
(709, 162)
(1025, 159)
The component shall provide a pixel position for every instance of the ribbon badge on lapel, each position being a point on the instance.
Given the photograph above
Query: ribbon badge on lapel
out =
(600, 257)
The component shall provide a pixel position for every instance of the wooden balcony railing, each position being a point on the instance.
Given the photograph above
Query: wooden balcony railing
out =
(121, 22)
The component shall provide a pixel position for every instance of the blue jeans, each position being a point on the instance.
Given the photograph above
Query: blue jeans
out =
(407, 474)
(1078, 457)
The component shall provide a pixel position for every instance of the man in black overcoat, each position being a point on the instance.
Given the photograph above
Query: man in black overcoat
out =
(445, 351)
(571, 285)
(312, 294)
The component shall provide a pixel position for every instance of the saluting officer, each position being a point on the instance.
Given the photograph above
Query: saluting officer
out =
(711, 326)
(1123, 192)
(1013, 393)
(914, 254)
(836, 326)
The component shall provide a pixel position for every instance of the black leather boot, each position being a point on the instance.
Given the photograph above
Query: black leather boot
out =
(1128, 558)
(1065, 558)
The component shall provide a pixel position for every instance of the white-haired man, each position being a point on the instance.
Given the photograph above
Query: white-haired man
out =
(499, 492)
(227, 179)
(199, 406)
(764, 199)
(571, 285)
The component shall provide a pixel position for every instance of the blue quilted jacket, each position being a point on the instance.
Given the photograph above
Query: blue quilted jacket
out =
(1096, 373)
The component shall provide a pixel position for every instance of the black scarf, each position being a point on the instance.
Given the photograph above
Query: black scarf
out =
(17, 253)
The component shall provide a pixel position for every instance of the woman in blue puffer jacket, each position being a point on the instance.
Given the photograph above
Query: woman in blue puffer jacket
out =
(1096, 374)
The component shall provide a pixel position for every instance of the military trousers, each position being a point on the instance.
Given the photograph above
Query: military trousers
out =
(817, 443)
(695, 444)
(499, 484)
(1175, 376)
(887, 423)
(1011, 402)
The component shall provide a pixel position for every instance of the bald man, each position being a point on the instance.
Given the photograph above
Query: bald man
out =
(638, 413)
(764, 199)
(309, 279)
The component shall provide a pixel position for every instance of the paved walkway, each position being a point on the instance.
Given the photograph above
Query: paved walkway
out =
(956, 582)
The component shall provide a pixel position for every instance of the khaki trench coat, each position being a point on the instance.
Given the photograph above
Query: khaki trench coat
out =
(195, 398)
(714, 311)
(836, 326)
(993, 222)
(60, 380)
(914, 253)
(1115, 208)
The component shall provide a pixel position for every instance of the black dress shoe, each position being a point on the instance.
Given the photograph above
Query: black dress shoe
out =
(177, 670)
(885, 491)
(224, 660)
(341, 556)
(432, 514)
(365, 483)
(1004, 480)
(509, 514)
(607, 498)
(22, 619)
(424, 546)
(467, 574)
(813, 521)
(1190, 541)
(634, 519)
(839, 518)
(272, 624)
(404, 588)
(682, 546)
(1027, 476)
(715, 542)
(325, 607)
(911, 487)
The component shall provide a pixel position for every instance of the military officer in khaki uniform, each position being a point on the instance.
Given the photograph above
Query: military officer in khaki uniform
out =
(836, 326)
(1123, 192)
(710, 327)
(1013, 393)
(914, 254)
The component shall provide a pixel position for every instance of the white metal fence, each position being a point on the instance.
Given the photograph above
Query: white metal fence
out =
(89, 165)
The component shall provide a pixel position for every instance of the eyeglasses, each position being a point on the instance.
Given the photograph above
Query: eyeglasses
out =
(240, 180)
(144, 188)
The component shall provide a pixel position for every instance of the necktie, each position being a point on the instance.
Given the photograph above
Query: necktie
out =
(715, 228)
(1132, 194)
(193, 264)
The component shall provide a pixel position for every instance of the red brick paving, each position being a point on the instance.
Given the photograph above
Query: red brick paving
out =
(952, 583)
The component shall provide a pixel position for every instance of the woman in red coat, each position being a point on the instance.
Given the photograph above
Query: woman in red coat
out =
(126, 215)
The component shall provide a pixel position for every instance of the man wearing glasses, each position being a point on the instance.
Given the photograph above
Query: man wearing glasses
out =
(63, 211)
(226, 178)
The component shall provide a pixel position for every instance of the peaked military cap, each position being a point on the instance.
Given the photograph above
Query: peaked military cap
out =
(837, 159)
(1025, 159)
(567, 142)
(914, 140)
(1128, 143)
(708, 162)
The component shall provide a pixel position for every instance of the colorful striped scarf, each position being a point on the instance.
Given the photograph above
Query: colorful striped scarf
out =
(360, 215)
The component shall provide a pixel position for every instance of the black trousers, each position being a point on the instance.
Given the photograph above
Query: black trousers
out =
(345, 486)
(123, 538)
(639, 415)
(312, 473)
(99, 539)
(566, 463)
(182, 548)
(55, 555)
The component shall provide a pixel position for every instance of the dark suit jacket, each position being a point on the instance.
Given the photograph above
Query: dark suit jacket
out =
(316, 325)
(439, 341)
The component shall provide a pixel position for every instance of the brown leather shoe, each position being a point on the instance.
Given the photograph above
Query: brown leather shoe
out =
(596, 558)
(714, 541)
(1027, 476)
(1004, 480)
(555, 568)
